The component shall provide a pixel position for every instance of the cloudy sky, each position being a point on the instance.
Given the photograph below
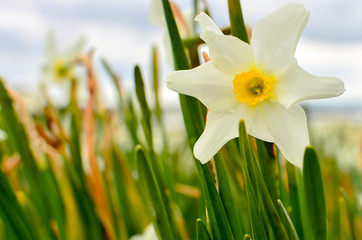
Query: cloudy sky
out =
(120, 31)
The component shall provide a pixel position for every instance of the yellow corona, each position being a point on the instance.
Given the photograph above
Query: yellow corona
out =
(253, 87)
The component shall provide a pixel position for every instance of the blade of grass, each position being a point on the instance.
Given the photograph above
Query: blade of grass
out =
(227, 196)
(350, 214)
(146, 113)
(257, 225)
(218, 219)
(125, 106)
(11, 213)
(290, 224)
(314, 195)
(294, 198)
(194, 123)
(268, 168)
(115, 79)
(132, 210)
(307, 232)
(54, 198)
(237, 25)
(201, 231)
(155, 83)
(92, 226)
(161, 218)
(266, 201)
(15, 131)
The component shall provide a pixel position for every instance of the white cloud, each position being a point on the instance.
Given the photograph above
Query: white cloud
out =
(24, 20)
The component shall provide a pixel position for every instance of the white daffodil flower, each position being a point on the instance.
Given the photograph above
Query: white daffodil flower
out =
(60, 68)
(260, 83)
(60, 65)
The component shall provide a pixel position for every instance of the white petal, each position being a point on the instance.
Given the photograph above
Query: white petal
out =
(220, 128)
(51, 47)
(227, 51)
(275, 37)
(296, 85)
(259, 128)
(225, 65)
(75, 49)
(156, 13)
(213, 88)
(289, 128)
(207, 23)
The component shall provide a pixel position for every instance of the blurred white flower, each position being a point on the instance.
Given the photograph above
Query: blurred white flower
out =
(148, 234)
(60, 64)
(261, 83)
(60, 68)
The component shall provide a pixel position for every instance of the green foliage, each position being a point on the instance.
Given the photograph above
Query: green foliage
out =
(201, 231)
(314, 194)
(162, 215)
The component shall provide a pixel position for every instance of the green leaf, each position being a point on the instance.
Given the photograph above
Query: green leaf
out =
(147, 129)
(191, 108)
(194, 123)
(161, 214)
(268, 167)
(218, 220)
(252, 168)
(257, 225)
(126, 108)
(53, 198)
(314, 195)
(227, 197)
(146, 113)
(156, 84)
(201, 231)
(237, 25)
(294, 198)
(78, 182)
(290, 224)
(350, 214)
(307, 232)
(179, 55)
(131, 121)
(12, 214)
(123, 186)
(15, 131)
(115, 79)
(90, 221)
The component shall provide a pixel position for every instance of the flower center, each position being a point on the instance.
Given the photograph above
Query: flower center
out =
(62, 69)
(253, 87)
